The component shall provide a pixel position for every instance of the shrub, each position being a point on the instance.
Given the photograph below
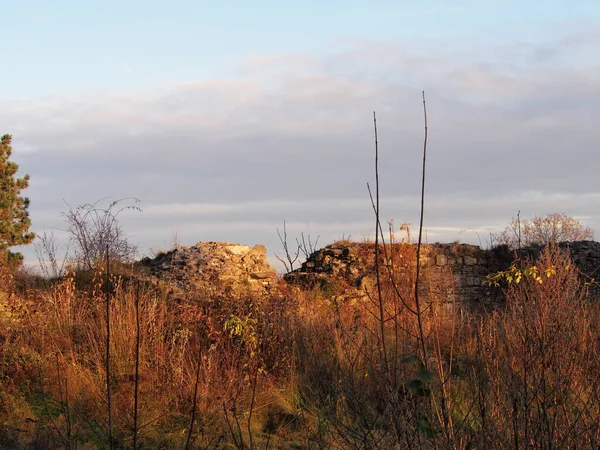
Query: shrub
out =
(553, 228)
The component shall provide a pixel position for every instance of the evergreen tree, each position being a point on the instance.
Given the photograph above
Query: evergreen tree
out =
(14, 217)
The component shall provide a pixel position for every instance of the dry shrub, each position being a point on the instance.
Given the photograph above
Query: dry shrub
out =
(355, 366)
(307, 367)
(55, 361)
(536, 371)
(553, 228)
(524, 375)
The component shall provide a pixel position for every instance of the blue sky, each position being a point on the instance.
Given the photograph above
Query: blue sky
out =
(64, 46)
(226, 118)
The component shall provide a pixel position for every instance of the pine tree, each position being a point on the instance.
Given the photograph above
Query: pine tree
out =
(14, 215)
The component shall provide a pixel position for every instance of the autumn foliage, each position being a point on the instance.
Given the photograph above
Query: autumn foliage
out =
(304, 369)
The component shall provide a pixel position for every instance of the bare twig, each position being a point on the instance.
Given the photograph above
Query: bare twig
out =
(384, 355)
(388, 266)
(306, 246)
(418, 270)
(289, 259)
(47, 252)
(91, 228)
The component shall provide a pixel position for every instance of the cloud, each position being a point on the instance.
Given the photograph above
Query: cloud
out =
(290, 137)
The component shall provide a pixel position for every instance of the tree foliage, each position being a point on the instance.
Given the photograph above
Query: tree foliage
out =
(543, 230)
(14, 215)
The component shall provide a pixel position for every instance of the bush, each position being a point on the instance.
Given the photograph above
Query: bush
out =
(553, 228)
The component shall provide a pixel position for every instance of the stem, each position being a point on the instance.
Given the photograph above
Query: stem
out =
(377, 274)
(108, 394)
(64, 401)
(195, 401)
(252, 408)
(417, 299)
(137, 365)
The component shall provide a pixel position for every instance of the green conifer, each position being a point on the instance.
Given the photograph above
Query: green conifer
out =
(14, 215)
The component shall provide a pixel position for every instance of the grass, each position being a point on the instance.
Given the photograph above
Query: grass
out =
(302, 369)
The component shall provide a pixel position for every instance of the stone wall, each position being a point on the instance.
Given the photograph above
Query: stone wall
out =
(452, 272)
(212, 268)
(455, 272)
(466, 266)
(449, 271)
(585, 255)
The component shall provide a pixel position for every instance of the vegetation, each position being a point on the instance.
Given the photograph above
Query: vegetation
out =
(14, 216)
(303, 369)
(94, 231)
(553, 228)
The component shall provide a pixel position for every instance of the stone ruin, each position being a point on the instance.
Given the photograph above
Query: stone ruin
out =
(449, 271)
(213, 268)
(452, 272)
(455, 272)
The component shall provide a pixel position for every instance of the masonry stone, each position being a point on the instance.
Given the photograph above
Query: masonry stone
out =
(212, 269)
(463, 267)
(454, 272)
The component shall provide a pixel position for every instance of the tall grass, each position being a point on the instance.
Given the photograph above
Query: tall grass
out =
(303, 369)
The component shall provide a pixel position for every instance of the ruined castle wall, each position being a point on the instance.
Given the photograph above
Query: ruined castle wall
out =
(452, 272)
(212, 268)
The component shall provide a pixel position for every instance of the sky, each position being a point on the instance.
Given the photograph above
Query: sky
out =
(228, 118)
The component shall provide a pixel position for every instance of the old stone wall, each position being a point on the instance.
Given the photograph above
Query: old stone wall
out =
(466, 267)
(449, 271)
(212, 268)
(452, 272)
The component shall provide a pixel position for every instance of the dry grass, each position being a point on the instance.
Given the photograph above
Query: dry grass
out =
(304, 369)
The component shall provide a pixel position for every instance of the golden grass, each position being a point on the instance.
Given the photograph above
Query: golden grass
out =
(303, 369)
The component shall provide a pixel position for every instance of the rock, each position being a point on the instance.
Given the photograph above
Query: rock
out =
(265, 275)
(259, 250)
(211, 268)
(234, 249)
(469, 260)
